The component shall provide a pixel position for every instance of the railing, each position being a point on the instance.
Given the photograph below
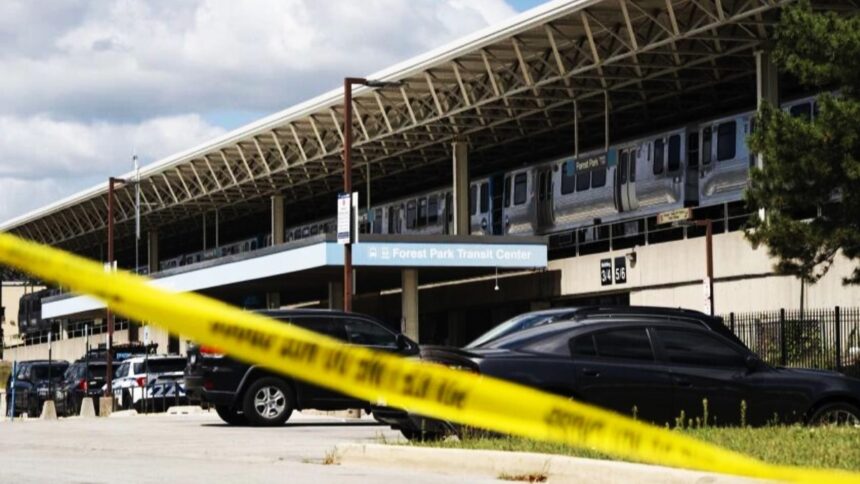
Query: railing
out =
(73, 330)
(816, 338)
(625, 234)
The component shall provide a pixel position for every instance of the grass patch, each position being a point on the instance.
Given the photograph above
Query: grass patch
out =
(833, 447)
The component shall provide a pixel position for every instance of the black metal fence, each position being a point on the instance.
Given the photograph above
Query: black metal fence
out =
(815, 338)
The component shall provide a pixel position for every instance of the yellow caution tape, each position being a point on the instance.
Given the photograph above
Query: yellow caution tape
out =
(382, 378)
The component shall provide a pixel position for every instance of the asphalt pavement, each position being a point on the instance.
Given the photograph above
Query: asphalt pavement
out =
(195, 448)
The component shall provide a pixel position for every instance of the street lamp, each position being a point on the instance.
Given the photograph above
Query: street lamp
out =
(112, 182)
(348, 82)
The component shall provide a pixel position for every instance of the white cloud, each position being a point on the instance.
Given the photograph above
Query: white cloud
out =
(85, 82)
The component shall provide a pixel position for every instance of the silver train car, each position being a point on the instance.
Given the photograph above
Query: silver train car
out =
(701, 164)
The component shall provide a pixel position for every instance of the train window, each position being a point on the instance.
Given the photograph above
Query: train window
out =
(598, 177)
(568, 177)
(306, 231)
(297, 234)
(520, 188)
(422, 212)
(507, 201)
(485, 197)
(658, 156)
(726, 141)
(623, 167)
(410, 214)
(315, 230)
(692, 149)
(432, 209)
(473, 199)
(376, 226)
(583, 181)
(706, 146)
(802, 110)
(674, 163)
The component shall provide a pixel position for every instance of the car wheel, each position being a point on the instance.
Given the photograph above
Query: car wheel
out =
(421, 436)
(836, 414)
(230, 415)
(268, 402)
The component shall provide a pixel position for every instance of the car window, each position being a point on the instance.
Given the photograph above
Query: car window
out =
(698, 348)
(160, 365)
(627, 344)
(123, 369)
(583, 346)
(320, 324)
(366, 333)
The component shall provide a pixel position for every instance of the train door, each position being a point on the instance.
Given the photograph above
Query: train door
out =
(448, 213)
(691, 179)
(544, 198)
(497, 187)
(625, 180)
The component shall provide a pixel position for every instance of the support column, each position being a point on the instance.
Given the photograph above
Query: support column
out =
(152, 251)
(277, 219)
(409, 304)
(273, 300)
(335, 295)
(766, 85)
(460, 190)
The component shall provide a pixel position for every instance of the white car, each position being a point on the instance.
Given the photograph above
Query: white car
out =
(150, 383)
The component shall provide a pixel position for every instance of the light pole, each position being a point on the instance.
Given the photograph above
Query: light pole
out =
(112, 182)
(348, 82)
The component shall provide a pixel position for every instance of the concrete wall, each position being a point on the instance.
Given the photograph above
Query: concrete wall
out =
(671, 274)
(69, 349)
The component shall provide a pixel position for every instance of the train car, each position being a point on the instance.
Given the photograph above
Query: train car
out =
(724, 159)
(30, 312)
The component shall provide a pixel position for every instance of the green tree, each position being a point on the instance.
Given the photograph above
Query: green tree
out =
(811, 164)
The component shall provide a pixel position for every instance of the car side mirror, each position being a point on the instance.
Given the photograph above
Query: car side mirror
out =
(752, 363)
(404, 343)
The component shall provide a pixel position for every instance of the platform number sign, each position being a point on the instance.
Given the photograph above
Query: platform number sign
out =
(605, 272)
(620, 270)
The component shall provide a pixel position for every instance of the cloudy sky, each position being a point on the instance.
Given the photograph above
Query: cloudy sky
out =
(85, 84)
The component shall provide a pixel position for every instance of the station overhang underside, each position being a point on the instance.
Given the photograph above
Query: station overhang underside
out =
(302, 271)
(512, 92)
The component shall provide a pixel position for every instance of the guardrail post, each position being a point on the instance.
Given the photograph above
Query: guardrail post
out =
(782, 347)
(838, 322)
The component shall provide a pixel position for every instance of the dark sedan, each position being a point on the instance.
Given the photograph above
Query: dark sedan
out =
(657, 369)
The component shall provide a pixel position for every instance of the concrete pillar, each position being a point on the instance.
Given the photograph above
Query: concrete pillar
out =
(152, 251)
(409, 303)
(273, 300)
(456, 328)
(460, 192)
(277, 219)
(335, 295)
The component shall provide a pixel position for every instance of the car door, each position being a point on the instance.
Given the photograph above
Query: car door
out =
(709, 375)
(616, 369)
(314, 396)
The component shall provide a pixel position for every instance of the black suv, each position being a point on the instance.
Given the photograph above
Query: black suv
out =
(656, 364)
(83, 379)
(34, 380)
(248, 394)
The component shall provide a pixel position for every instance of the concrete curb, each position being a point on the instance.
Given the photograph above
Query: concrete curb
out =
(122, 414)
(49, 410)
(88, 409)
(494, 463)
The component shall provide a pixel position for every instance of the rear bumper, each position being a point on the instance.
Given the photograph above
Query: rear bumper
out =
(197, 393)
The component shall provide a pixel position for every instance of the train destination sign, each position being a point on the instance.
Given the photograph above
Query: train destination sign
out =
(678, 215)
(591, 163)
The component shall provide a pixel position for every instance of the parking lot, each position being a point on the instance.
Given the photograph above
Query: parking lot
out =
(193, 448)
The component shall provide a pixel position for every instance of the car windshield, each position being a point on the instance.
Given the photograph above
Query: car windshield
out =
(41, 372)
(517, 323)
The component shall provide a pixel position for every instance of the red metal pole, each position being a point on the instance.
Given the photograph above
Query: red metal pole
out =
(348, 82)
(347, 188)
(108, 358)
